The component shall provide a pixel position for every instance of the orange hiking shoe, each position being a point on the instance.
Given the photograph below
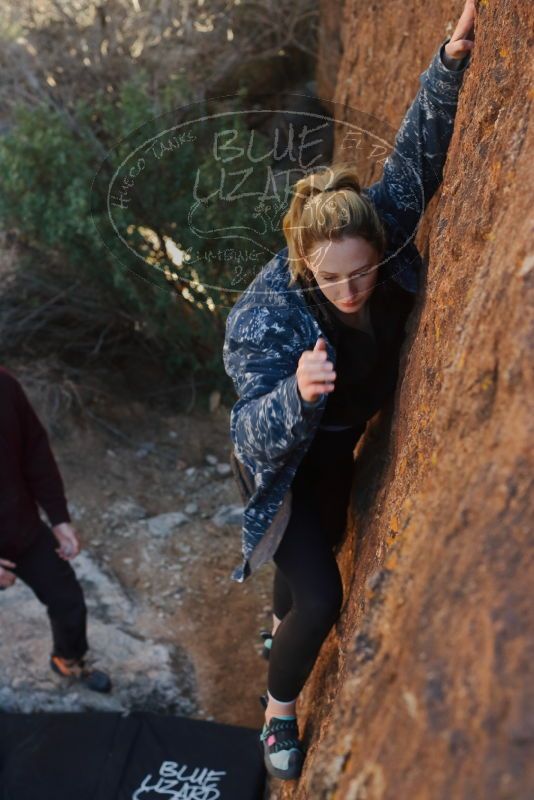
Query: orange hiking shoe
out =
(94, 679)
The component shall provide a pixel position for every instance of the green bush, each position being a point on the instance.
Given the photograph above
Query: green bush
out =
(57, 166)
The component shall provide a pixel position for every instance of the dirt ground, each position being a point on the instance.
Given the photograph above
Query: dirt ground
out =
(164, 617)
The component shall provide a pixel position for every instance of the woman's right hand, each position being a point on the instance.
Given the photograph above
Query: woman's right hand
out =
(462, 41)
(7, 578)
(315, 374)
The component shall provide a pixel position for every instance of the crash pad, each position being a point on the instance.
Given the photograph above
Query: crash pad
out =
(139, 756)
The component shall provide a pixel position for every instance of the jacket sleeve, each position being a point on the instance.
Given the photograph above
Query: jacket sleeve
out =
(39, 465)
(414, 169)
(270, 417)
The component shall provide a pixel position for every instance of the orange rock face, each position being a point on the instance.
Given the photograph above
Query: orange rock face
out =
(423, 690)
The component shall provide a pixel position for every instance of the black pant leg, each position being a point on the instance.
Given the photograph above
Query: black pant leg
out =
(282, 598)
(307, 562)
(327, 472)
(55, 584)
(308, 590)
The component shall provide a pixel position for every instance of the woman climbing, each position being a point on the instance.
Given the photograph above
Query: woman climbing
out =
(312, 347)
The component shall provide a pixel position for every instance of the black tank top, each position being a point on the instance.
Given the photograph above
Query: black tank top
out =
(366, 365)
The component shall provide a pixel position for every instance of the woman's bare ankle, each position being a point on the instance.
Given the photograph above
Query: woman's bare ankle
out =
(276, 708)
(276, 623)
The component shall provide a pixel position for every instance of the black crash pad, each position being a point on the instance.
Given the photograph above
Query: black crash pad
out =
(139, 756)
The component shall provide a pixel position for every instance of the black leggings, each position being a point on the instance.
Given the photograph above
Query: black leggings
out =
(55, 584)
(308, 591)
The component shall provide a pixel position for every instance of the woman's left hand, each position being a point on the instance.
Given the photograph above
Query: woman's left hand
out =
(463, 39)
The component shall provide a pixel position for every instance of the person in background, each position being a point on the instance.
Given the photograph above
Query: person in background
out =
(29, 548)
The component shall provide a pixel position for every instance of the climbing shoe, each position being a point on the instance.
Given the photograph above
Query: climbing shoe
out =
(283, 752)
(267, 637)
(94, 679)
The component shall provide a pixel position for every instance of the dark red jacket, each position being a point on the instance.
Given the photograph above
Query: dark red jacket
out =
(28, 471)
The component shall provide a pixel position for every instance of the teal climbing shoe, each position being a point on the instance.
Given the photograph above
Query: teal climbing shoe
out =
(267, 637)
(283, 752)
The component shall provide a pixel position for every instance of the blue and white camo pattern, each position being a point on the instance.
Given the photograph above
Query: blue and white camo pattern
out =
(271, 325)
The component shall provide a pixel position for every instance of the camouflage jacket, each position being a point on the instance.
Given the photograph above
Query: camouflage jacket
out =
(271, 324)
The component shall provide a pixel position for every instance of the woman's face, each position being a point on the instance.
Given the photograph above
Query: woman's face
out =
(345, 270)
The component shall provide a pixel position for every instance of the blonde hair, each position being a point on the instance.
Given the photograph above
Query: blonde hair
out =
(328, 205)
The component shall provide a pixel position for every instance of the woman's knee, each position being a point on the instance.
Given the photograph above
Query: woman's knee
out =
(322, 608)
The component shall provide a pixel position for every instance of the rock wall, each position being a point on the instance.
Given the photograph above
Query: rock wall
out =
(330, 49)
(422, 689)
